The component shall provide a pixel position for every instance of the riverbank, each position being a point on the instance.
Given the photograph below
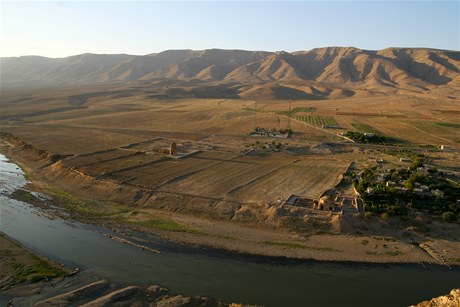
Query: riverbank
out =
(27, 278)
(23, 272)
(449, 300)
(208, 233)
(226, 276)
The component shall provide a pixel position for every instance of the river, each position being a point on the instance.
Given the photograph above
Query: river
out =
(230, 279)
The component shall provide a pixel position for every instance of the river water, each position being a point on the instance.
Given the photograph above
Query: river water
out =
(229, 279)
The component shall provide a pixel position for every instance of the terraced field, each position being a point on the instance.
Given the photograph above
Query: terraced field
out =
(123, 163)
(219, 179)
(169, 170)
(98, 157)
(67, 140)
(309, 177)
(252, 178)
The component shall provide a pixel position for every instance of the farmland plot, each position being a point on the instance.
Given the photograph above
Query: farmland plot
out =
(416, 131)
(128, 162)
(169, 170)
(217, 181)
(318, 121)
(443, 132)
(306, 177)
(256, 178)
(103, 156)
(71, 140)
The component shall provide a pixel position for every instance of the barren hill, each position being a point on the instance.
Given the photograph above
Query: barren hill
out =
(321, 73)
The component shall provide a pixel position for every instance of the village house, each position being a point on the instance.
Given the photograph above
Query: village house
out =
(444, 147)
(390, 183)
(381, 177)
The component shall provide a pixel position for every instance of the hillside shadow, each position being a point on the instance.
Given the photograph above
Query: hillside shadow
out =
(215, 92)
(436, 58)
(420, 70)
(283, 92)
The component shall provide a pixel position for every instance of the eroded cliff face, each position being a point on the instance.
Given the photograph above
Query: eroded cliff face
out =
(50, 166)
(450, 300)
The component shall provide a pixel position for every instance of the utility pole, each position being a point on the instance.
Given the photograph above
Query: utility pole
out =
(255, 115)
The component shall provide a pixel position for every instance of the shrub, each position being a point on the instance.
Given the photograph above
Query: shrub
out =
(384, 216)
(368, 215)
(449, 216)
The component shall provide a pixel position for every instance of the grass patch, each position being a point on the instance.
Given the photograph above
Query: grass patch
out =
(83, 206)
(286, 244)
(35, 272)
(365, 242)
(301, 246)
(169, 225)
(74, 203)
(450, 125)
(455, 259)
(371, 253)
(364, 128)
(27, 197)
(297, 110)
(326, 249)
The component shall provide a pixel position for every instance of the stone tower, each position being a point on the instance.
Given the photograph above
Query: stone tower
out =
(173, 149)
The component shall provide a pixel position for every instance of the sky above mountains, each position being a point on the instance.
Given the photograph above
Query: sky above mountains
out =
(59, 29)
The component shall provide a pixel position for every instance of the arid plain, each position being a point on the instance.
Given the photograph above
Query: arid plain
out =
(102, 151)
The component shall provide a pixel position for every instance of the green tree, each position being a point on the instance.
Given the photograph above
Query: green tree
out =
(449, 216)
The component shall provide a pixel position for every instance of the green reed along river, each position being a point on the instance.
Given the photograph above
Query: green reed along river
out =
(225, 277)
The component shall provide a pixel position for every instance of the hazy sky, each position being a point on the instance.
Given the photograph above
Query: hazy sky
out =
(58, 29)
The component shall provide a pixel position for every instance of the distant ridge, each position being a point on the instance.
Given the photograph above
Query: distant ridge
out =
(321, 73)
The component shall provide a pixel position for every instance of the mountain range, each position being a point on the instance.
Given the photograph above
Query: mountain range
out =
(322, 73)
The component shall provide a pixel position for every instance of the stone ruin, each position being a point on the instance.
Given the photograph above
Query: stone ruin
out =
(173, 149)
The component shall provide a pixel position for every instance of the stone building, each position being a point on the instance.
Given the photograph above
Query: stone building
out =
(173, 149)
